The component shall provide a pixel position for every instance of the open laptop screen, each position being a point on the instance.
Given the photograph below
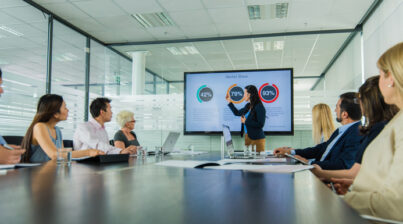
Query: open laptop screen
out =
(170, 141)
(227, 135)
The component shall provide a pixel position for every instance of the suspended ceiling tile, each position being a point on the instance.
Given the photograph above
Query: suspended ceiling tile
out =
(88, 24)
(209, 4)
(166, 33)
(241, 28)
(268, 26)
(139, 6)
(180, 5)
(191, 18)
(239, 45)
(230, 16)
(67, 9)
(8, 19)
(11, 3)
(209, 47)
(120, 23)
(200, 31)
(26, 13)
(100, 8)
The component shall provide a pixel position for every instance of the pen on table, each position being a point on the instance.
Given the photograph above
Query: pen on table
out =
(332, 186)
(8, 147)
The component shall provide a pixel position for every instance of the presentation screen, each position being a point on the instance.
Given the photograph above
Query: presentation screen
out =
(206, 109)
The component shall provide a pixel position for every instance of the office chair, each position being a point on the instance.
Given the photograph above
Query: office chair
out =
(13, 140)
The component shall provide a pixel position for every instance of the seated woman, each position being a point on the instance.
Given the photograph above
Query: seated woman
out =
(377, 189)
(377, 114)
(43, 138)
(125, 137)
(322, 123)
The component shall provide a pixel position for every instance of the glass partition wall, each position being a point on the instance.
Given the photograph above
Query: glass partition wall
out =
(25, 37)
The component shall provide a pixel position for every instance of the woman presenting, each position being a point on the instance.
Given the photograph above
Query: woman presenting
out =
(253, 116)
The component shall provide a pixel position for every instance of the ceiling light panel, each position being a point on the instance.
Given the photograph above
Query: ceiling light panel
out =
(281, 10)
(186, 50)
(271, 11)
(268, 45)
(278, 45)
(254, 12)
(258, 46)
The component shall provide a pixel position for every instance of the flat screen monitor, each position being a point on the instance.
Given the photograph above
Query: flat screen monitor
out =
(206, 109)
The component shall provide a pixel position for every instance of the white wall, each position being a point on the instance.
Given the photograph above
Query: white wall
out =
(380, 32)
(383, 30)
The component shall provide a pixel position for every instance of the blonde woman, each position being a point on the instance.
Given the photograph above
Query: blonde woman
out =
(322, 123)
(377, 190)
(125, 137)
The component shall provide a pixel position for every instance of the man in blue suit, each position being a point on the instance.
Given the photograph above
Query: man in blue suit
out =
(339, 151)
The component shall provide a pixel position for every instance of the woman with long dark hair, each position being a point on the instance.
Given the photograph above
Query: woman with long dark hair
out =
(253, 117)
(43, 137)
(377, 114)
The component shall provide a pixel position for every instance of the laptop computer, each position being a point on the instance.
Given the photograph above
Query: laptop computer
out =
(230, 146)
(170, 142)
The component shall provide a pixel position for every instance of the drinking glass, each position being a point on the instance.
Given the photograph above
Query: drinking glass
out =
(246, 150)
(63, 156)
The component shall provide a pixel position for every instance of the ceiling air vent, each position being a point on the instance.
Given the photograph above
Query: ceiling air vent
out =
(149, 20)
(271, 11)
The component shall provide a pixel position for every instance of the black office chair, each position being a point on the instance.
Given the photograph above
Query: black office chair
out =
(13, 140)
(111, 142)
(68, 144)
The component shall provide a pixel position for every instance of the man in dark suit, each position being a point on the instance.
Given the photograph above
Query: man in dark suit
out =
(340, 150)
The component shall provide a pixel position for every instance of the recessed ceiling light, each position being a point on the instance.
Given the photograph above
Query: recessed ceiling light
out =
(192, 50)
(270, 11)
(8, 29)
(263, 46)
(258, 46)
(183, 50)
(281, 10)
(254, 12)
(278, 45)
(174, 50)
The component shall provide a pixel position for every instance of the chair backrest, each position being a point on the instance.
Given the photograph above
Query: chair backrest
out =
(111, 142)
(68, 144)
(14, 140)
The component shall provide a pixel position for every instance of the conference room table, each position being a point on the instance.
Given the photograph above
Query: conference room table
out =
(139, 191)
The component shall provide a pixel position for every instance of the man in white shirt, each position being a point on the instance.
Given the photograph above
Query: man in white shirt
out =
(92, 134)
